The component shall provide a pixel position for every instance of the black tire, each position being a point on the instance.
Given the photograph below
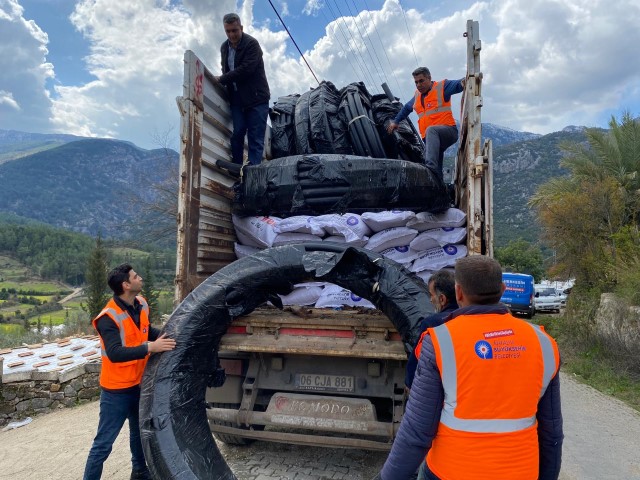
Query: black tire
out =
(232, 439)
(174, 429)
(326, 183)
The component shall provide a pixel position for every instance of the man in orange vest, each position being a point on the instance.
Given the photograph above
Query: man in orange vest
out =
(485, 401)
(432, 103)
(127, 339)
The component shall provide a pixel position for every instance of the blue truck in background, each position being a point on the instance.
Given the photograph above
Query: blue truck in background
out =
(519, 294)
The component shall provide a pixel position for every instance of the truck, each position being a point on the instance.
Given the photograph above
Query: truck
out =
(304, 376)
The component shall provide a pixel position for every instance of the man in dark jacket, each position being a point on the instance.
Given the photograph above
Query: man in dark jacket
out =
(443, 298)
(243, 75)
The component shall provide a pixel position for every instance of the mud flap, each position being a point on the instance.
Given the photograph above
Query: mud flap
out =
(173, 422)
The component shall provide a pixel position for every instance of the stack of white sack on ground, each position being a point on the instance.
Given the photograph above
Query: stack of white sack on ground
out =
(422, 243)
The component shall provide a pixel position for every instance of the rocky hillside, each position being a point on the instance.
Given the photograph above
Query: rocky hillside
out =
(89, 186)
(99, 185)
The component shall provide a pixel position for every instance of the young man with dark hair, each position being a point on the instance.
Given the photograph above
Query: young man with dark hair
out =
(485, 401)
(432, 104)
(127, 339)
(442, 293)
(246, 81)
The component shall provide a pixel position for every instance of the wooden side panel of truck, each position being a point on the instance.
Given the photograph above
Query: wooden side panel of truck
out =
(303, 375)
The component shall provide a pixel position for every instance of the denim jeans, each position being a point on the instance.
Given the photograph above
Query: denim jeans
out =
(438, 139)
(251, 122)
(424, 473)
(115, 408)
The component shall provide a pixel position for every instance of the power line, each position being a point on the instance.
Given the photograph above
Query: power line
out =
(375, 28)
(346, 54)
(409, 32)
(294, 42)
(355, 16)
(355, 43)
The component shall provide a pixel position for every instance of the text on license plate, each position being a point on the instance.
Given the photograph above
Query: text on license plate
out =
(333, 383)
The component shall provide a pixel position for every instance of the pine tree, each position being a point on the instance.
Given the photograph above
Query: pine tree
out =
(96, 289)
(149, 292)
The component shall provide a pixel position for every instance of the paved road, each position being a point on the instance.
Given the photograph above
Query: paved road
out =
(601, 438)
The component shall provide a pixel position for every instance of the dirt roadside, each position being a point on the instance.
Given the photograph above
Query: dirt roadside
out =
(600, 443)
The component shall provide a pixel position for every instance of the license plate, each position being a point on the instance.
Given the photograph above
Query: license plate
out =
(324, 383)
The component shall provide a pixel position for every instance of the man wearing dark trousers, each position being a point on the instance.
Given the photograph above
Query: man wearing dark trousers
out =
(127, 339)
(442, 293)
(432, 104)
(244, 76)
(485, 401)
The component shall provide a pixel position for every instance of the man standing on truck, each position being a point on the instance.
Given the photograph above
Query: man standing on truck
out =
(246, 81)
(432, 103)
(127, 339)
(443, 298)
(485, 401)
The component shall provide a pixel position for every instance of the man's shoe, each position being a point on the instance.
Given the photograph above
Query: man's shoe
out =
(141, 475)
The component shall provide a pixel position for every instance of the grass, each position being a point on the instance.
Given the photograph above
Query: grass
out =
(603, 368)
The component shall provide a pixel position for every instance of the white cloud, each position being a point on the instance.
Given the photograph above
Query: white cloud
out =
(546, 64)
(6, 98)
(24, 71)
(312, 7)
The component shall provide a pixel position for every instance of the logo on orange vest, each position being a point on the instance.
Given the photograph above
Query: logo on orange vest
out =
(144, 330)
(428, 105)
(484, 350)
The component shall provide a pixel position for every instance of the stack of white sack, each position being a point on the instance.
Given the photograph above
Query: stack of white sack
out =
(422, 243)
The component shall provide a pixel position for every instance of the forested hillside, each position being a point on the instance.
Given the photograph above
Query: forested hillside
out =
(90, 186)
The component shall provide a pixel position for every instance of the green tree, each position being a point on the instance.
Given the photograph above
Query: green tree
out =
(96, 289)
(522, 257)
(584, 213)
(149, 291)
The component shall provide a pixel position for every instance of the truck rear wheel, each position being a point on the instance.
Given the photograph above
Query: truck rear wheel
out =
(232, 439)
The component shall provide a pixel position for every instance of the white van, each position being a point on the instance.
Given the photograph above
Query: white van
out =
(546, 299)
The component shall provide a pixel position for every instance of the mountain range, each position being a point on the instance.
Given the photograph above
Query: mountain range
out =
(102, 185)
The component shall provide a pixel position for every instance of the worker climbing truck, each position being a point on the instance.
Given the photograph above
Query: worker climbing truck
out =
(301, 375)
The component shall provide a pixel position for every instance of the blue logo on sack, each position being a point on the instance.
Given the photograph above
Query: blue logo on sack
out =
(403, 249)
(352, 221)
(483, 350)
(355, 298)
(450, 250)
(447, 229)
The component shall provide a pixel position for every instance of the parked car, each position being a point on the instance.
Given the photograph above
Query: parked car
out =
(518, 295)
(563, 297)
(547, 299)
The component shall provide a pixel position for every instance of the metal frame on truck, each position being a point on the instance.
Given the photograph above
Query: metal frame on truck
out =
(339, 374)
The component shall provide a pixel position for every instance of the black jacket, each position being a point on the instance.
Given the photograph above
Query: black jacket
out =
(248, 74)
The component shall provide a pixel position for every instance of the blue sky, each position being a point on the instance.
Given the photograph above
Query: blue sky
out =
(113, 69)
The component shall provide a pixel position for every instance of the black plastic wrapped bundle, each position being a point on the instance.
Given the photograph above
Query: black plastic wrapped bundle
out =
(327, 130)
(355, 110)
(302, 124)
(317, 184)
(404, 143)
(283, 134)
(175, 433)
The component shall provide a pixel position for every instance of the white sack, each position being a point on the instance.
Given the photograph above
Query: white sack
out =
(391, 237)
(401, 254)
(300, 224)
(302, 296)
(449, 218)
(255, 231)
(439, 237)
(294, 237)
(350, 225)
(439, 257)
(356, 242)
(378, 221)
(335, 296)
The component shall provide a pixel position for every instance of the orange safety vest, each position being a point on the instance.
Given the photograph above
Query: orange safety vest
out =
(435, 110)
(118, 375)
(494, 370)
